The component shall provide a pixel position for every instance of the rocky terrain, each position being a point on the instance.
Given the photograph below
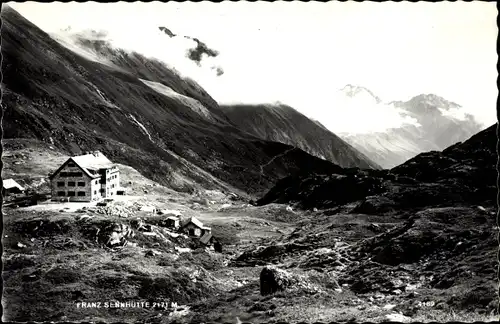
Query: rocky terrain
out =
(437, 124)
(82, 94)
(376, 254)
(431, 237)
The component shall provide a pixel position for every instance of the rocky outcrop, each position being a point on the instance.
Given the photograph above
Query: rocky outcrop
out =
(273, 280)
(116, 234)
(273, 253)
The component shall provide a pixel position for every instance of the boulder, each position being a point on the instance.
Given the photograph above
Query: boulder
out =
(273, 279)
(117, 234)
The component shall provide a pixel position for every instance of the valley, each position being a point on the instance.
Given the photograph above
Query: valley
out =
(355, 260)
(304, 224)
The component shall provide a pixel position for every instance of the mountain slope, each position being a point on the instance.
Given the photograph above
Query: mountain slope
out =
(284, 124)
(75, 103)
(462, 174)
(435, 124)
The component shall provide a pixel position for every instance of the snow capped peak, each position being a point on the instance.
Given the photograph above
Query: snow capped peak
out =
(355, 91)
(434, 100)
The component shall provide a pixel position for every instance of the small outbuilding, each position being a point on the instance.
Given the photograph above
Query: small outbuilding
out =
(172, 222)
(195, 228)
(10, 186)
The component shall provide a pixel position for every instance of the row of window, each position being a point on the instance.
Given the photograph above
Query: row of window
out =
(113, 177)
(71, 174)
(73, 193)
(71, 184)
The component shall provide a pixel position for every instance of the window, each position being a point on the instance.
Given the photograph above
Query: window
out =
(81, 184)
(61, 193)
(71, 183)
(81, 193)
(95, 192)
(71, 174)
(101, 190)
(71, 193)
(112, 186)
(71, 164)
(60, 184)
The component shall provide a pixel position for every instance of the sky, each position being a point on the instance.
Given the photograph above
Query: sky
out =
(302, 53)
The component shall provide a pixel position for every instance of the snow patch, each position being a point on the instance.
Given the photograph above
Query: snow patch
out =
(142, 127)
(194, 104)
(69, 42)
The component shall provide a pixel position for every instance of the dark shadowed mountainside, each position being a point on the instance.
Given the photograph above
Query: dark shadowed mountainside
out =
(282, 123)
(135, 110)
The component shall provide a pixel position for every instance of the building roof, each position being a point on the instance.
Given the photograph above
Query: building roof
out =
(205, 239)
(173, 217)
(94, 161)
(11, 183)
(198, 223)
(91, 161)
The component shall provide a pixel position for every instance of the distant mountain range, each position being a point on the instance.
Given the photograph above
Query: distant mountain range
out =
(82, 94)
(429, 122)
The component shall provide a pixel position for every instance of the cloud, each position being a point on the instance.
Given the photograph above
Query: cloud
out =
(266, 56)
(197, 53)
(189, 56)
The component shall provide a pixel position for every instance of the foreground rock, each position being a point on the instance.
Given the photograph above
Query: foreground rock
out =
(273, 279)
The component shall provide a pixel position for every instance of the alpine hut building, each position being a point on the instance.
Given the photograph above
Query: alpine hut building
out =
(85, 178)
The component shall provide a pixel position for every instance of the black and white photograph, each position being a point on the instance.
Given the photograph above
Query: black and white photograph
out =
(249, 162)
